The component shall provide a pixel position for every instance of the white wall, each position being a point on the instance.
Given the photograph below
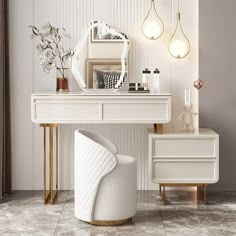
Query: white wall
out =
(74, 15)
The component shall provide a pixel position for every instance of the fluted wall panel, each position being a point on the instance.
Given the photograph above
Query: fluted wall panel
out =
(127, 16)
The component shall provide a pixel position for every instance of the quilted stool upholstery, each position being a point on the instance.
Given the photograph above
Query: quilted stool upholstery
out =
(105, 183)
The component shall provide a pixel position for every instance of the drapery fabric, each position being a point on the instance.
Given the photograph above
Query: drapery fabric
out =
(5, 121)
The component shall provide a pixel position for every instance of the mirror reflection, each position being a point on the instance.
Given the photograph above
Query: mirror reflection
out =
(100, 58)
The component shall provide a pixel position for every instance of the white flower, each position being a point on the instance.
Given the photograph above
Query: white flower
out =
(40, 48)
(47, 62)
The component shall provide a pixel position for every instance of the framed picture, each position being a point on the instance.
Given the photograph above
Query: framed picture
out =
(95, 69)
(102, 34)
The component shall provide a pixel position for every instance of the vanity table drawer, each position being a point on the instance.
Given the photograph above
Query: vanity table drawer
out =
(107, 109)
(136, 111)
(181, 148)
(61, 112)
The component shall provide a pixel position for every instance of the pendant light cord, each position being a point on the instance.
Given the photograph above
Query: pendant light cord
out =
(178, 13)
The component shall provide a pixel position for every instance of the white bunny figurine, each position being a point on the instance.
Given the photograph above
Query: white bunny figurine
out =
(187, 115)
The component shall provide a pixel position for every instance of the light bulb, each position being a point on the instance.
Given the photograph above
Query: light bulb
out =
(153, 26)
(179, 45)
(178, 48)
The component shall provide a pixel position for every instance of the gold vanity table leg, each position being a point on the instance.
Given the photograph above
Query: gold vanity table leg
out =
(44, 166)
(51, 163)
(57, 160)
(158, 128)
(50, 195)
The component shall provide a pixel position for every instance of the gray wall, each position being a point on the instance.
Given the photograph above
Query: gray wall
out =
(218, 71)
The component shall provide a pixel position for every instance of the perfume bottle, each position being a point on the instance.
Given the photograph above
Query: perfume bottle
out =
(146, 78)
(156, 81)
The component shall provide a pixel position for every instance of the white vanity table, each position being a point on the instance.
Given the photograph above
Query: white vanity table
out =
(176, 159)
(51, 109)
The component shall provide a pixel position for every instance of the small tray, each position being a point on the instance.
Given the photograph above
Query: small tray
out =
(138, 91)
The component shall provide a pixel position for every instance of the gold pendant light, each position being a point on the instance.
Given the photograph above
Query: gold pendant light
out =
(153, 26)
(179, 46)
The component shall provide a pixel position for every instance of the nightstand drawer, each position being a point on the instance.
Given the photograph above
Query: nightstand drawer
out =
(181, 148)
(184, 157)
(184, 171)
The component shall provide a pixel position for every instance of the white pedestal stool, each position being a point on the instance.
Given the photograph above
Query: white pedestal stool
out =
(105, 183)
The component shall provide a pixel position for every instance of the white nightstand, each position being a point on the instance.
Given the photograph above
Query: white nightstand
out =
(184, 159)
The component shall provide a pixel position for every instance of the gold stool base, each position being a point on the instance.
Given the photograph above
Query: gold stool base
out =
(111, 223)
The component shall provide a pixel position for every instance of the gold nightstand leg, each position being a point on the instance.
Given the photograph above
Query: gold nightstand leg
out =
(201, 195)
(158, 128)
(50, 195)
(162, 193)
(205, 196)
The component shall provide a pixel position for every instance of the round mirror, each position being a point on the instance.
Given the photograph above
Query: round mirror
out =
(100, 58)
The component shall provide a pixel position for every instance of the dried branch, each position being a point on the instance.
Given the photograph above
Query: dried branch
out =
(52, 53)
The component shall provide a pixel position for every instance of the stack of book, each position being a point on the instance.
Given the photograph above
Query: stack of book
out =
(138, 88)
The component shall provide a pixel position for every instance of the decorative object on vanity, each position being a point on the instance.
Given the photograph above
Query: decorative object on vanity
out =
(137, 88)
(187, 115)
(62, 79)
(198, 84)
(105, 182)
(52, 53)
(192, 160)
(153, 26)
(179, 45)
(103, 74)
(146, 78)
(134, 86)
(155, 85)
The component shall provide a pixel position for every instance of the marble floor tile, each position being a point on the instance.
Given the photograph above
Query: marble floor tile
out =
(23, 213)
(142, 224)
